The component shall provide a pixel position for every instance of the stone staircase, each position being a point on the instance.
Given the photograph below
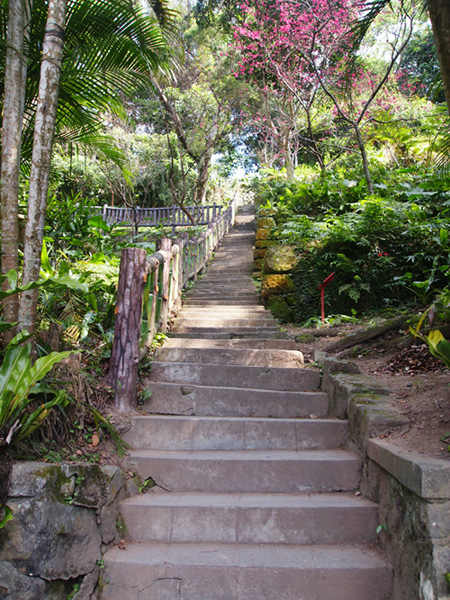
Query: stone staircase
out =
(255, 488)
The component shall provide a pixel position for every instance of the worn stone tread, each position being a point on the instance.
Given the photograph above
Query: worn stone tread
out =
(246, 572)
(266, 378)
(235, 433)
(250, 518)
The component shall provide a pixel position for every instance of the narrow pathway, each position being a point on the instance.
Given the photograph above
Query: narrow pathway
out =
(254, 500)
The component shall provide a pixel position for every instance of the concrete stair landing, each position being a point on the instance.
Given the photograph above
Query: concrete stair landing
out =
(254, 495)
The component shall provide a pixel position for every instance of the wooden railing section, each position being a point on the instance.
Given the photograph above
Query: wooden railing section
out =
(149, 290)
(168, 216)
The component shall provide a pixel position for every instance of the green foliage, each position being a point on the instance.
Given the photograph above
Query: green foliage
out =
(438, 345)
(19, 377)
(386, 250)
(6, 514)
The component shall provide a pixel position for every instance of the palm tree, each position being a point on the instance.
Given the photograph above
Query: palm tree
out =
(107, 49)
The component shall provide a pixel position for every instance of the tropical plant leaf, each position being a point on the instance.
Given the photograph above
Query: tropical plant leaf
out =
(7, 515)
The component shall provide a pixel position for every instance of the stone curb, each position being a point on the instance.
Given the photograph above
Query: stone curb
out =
(427, 477)
(363, 400)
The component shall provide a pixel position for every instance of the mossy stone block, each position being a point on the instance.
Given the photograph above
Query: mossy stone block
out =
(259, 253)
(305, 338)
(279, 308)
(265, 223)
(280, 259)
(266, 212)
(264, 243)
(262, 234)
(275, 285)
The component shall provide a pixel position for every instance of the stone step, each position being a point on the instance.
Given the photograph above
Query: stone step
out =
(250, 470)
(193, 517)
(221, 279)
(263, 378)
(227, 312)
(225, 309)
(224, 322)
(245, 572)
(229, 333)
(207, 284)
(236, 301)
(222, 297)
(235, 433)
(261, 344)
(218, 356)
(185, 399)
(227, 289)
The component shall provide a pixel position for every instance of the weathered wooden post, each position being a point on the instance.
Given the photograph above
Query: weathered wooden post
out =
(125, 354)
(175, 288)
(165, 248)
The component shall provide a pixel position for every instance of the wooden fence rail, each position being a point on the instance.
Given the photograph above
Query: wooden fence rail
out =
(149, 290)
(168, 216)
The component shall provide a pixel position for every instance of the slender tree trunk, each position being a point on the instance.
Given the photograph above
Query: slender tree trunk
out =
(365, 160)
(202, 179)
(439, 11)
(13, 106)
(42, 153)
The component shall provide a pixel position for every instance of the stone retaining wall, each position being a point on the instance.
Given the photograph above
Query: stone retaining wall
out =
(413, 491)
(64, 518)
(273, 264)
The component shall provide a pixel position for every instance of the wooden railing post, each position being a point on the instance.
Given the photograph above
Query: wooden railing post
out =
(127, 332)
(166, 246)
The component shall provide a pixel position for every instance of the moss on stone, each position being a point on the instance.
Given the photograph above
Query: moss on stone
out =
(264, 243)
(262, 234)
(259, 253)
(279, 308)
(265, 223)
(280, 259)
(275, 285)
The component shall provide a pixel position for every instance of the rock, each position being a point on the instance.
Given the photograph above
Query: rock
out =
(279, 308)
(87, 587)
(276, 285)
(16, 586)
(305, 338)
(264, 243)
(28, 479)
(50, 539)
(262, 234)
(265, 223)
(280, 259)
(62, 516)
(259, 253)
(267, 212)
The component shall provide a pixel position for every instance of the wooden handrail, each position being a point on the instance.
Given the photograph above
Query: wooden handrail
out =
(168, 216)
(149, 290)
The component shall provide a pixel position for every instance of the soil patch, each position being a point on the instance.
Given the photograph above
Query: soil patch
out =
(419, 382)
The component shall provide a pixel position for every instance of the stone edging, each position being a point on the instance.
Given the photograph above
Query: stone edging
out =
(413, 491)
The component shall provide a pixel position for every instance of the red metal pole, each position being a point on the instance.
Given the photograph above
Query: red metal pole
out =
(322, 298)
(322, 295)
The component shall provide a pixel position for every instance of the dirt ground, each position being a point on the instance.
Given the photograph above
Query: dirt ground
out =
(420, 383)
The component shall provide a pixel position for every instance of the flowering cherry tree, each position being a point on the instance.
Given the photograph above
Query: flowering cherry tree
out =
(300, 51)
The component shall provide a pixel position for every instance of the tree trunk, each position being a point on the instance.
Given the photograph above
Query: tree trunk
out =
(42, 153)
(439, 11)
(202, 179)
(13, 106)
(362, 150)
(123, 372)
